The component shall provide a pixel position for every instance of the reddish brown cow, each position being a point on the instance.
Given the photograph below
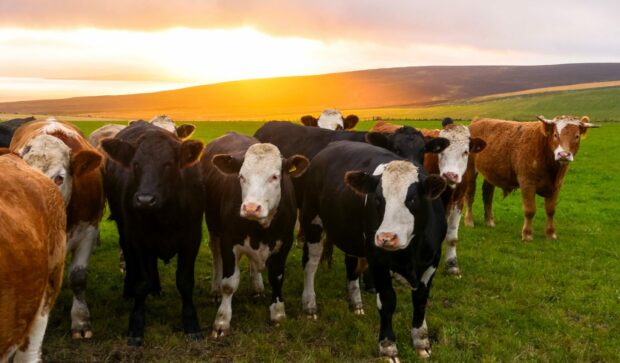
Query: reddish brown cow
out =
(32, 255)
(59, 150)
(533, 156)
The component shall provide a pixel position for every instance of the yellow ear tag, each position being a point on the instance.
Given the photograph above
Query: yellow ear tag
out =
(292, 169)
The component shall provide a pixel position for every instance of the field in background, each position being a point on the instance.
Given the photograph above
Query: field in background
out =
(540, 301)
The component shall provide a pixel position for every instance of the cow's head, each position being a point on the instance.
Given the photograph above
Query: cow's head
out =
(331, 119)
(261, 173)
(155, 163)
(400, 195)
(453, 159)
(408, 143)
(184, 131)
(564, 135)
(53, 158)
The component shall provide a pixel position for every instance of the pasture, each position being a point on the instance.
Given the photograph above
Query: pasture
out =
(540, 301)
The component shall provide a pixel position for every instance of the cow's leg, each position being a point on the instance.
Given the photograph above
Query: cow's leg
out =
(32, 350)
(419, 297)
(354, 293)
(313, 249)
(470, 194)
(143, 287)
(487, 198)
(550, 211)
(386, 303)
(454, 218)
(528, 194)
(185, 285)
(216, 280)
(82, 240)
(256, 280)
(230, 284)
(276, 267)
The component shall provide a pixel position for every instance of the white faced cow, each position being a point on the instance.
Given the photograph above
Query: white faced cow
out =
(331, 119)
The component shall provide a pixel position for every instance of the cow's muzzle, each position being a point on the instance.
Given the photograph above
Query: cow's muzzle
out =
(564, 157)
(145, 201)
(387, 240)
(252, 211)
(451, 178)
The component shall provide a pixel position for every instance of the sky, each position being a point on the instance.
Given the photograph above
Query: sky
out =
(60, 48)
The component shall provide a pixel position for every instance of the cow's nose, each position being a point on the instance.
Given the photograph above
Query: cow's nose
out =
(386, 240)
(565, 156)
(451, 177)
(251, 209)
(145, 200)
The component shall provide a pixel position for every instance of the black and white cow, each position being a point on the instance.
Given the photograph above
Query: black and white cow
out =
(372, 203)
(250, 210)
(154, 188)
(8, 128)
(331, 119)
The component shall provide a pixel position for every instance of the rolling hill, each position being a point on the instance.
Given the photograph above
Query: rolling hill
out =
(264, 98)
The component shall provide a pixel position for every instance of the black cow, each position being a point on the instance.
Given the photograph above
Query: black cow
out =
(154, 189)
(250, 210)
(7, 129)
(372, 203)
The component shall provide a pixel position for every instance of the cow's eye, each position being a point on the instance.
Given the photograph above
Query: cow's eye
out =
(577, 137)
(59, 179)
(241, 178)
(274, 177)
(556, 135)
(465, 152)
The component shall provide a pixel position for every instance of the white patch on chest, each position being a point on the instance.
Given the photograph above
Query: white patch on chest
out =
(257, 256)
(330, 119)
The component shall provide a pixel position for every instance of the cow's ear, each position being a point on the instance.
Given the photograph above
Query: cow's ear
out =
(118, 150)
(84, 162)
(434, 185)
(185, 131)
(435, 145)
(350, 121)
(549, 125)
(309, 120)
(227, 164)
(360, 182)
(476, 145)
(378, 139)
(296, 165)
(190, 152)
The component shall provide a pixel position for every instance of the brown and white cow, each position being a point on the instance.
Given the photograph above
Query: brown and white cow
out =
(451, 164)
(32, 255)
(60, 151)
(331, 119)
(533, 156)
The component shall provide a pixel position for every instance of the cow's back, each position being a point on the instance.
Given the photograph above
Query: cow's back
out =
(32, 248)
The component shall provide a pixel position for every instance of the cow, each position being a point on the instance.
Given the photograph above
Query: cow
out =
(451, 163)
(372, 203)
(533, 156)
(32, 254)
(250, 210)
(108, 131)
(331, 119)
(154, 190)
(60, 151)
(7, 129)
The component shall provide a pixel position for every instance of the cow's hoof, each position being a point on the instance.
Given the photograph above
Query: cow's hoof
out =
(311, 315)
(469, 224)
(195, 336)
(84, 333)
(217, 333)
(552, 237)
(277, 313)
(527, 237)
(387, 349)
(490, 224)
(358, 311)
(258, 296)
(454, 271)
(391, 359)
(424, 353)
(135, 341)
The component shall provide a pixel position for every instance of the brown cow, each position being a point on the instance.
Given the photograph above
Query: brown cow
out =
(32, 255)
(59, 150)
(533, 156)
(451, 164)
(331, 119)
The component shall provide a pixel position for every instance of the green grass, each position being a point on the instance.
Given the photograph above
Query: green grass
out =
(540, 301)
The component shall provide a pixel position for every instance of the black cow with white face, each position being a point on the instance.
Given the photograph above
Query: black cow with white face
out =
(154, 189)
(8, 128)
(372, 203)
(250, 210)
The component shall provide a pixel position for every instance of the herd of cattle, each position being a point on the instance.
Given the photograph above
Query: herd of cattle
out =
(387, 198)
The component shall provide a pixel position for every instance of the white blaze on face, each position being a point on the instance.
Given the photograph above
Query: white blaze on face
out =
(397, 219)
(453, 159)
(331, 119)
(260, 183)
(165, 123)
(52, 157)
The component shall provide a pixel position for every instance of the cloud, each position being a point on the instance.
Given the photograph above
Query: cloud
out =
(568, 27)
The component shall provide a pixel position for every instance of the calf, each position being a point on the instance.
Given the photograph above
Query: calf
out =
(8, 128)
(332, 120)
(154, 190)
(372, 203)
(32, 255)
(451, 163)
(59, 150)
(250, 210)
(533, 156)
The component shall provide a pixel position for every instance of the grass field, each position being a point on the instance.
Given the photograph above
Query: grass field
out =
(540, 301)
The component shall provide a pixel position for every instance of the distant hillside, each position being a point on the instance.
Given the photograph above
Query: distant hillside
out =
(393, 87)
